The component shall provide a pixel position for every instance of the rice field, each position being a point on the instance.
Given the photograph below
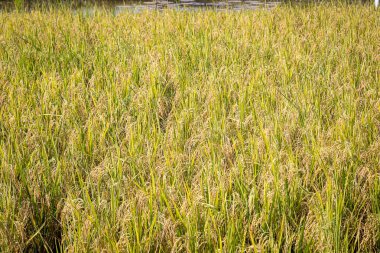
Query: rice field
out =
(203, 131)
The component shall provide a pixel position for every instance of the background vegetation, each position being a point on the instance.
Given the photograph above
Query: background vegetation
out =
(191, 131)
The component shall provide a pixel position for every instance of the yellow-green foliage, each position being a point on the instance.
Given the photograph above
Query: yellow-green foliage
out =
(191, 131)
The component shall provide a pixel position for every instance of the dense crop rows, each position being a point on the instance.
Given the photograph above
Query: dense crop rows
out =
(191, 131)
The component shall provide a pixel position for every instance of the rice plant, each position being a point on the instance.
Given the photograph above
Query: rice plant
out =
(249, 131)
